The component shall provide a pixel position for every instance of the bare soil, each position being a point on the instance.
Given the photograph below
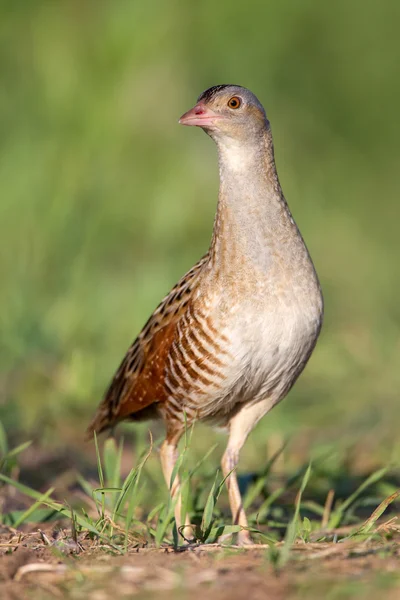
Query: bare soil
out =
(44, 564)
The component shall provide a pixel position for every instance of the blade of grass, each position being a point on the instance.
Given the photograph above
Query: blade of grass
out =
(40, 515)
(185, 480)
(112, 456)
(8, 454)
(256, 488)
(164, 521)
(74, 533)
(101, 475)
(378, 512)
(86, 523)
(17, 450)
(314, 507)
(176, 469)
(133, 500)
(35, 505)
(209, 509)
(129, 480)
(207, 519)
(200, 462)
(220, 530)
(291, 531)
(338, 514)
(3, 440)
(327, 508)
(155, 511)
(263, 511)
(86, 486)
(134, 475)
(24, 489)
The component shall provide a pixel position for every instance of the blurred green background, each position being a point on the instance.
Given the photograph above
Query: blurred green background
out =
(106, 201)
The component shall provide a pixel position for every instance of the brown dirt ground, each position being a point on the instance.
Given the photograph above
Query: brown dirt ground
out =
(50, 565)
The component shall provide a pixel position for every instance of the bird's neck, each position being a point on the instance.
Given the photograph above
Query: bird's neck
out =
(252, 217)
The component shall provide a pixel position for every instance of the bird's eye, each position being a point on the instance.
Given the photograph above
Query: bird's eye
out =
(234, 102)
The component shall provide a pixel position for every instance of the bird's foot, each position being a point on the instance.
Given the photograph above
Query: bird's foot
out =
(225, 538)
(188, 534)
(244, 538)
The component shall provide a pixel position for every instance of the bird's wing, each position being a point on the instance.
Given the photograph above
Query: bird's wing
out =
(138, 382)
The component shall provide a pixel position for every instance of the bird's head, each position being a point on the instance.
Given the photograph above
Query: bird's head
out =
(228, 112)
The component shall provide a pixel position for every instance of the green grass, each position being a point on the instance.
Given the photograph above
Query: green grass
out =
(113, 517)
(117, 513)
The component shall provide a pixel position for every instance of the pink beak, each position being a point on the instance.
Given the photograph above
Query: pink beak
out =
(199, 115)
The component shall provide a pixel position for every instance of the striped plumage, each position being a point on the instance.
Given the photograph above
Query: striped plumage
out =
(233, 335)
(140, 385)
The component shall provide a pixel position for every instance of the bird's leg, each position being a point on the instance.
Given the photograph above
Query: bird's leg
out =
(169, 455)
(239, 428)
(229, 463)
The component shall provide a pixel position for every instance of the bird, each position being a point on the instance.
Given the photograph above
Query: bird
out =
(231, 338)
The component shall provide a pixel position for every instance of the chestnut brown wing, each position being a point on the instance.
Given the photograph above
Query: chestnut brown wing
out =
(139, 381)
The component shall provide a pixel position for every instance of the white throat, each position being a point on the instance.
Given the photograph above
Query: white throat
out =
(235, 156)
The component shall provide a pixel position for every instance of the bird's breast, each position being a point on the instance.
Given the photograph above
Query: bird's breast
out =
(231, 350)
(274, 345)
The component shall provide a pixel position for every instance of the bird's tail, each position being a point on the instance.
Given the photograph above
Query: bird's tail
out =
(100, 422)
